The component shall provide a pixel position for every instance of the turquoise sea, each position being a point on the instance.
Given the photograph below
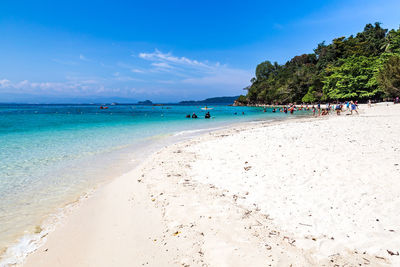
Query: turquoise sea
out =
(52, 154)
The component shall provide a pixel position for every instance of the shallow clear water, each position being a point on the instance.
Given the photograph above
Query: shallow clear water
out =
(51, 154)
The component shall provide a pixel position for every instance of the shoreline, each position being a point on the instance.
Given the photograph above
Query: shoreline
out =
(76, 148)
(30, 242)
(157, 204)
(53, 221)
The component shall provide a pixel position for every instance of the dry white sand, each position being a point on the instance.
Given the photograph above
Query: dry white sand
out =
(310, 192)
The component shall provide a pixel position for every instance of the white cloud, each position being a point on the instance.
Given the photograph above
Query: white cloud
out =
(68, 87)
(166, 75)
(130, 67)
(137, 71)
(73, 86)
(82, 57)
(4, 83)
(127, 79)
(168, 57)
(162, 65)
(190, 71)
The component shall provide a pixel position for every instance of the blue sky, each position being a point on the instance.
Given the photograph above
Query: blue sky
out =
(162, 50)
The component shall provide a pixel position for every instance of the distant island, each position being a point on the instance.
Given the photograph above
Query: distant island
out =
(213, 100)
(361, 67)
(146, 102)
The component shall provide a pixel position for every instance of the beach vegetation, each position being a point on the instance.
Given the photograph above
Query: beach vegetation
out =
(358, 67)
(389, 76)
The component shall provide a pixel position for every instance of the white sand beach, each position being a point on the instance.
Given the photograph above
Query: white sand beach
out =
(302, 192)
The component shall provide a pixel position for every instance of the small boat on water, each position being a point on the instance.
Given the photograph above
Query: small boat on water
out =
(103, 107)
(206, 108)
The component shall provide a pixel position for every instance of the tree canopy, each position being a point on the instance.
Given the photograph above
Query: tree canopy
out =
(389, 76)
(360, 67)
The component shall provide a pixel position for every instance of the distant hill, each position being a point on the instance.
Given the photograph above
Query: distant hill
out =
(214, 100)
(146, 102)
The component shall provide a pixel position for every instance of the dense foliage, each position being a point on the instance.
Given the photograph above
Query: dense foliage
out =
(389, 76)
(361, 67)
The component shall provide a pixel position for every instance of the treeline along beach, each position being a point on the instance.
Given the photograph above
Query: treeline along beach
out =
(360, 67)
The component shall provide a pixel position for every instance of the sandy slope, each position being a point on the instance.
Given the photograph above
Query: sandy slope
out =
(315, 192)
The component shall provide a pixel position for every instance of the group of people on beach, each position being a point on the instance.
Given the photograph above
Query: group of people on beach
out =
(339, 107)
(319, 110)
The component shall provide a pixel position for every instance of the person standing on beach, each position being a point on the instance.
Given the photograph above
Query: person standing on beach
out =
(353, 107)
(338, 108)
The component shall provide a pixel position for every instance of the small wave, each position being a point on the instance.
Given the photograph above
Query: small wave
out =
(16, 254)
(188, 132)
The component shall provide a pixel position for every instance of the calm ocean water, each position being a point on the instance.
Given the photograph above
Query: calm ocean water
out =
(52, 154)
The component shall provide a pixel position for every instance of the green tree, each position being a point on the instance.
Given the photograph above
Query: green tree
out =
(312, 96)
(355, 78)
(389, 76)
(347, 68)
(264, 69)
(242, 99)
(372, 40)
(393, 42)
